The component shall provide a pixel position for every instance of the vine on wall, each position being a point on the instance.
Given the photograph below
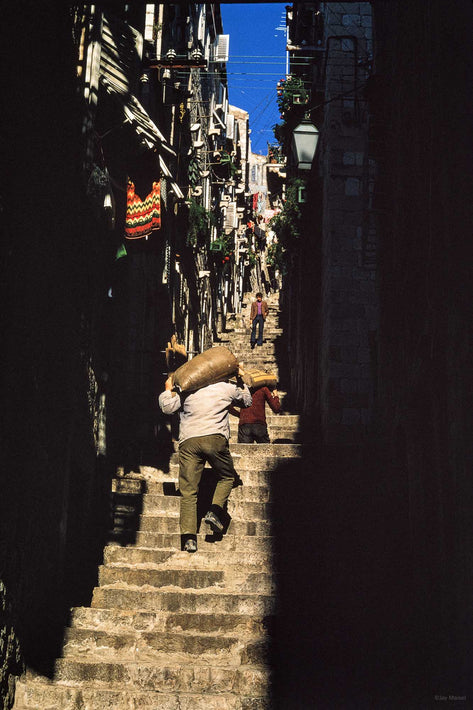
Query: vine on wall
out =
(287, 224)
(200, 222)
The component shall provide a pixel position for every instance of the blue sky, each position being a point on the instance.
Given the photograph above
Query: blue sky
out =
(257, 61)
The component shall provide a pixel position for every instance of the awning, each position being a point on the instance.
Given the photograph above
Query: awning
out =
(135, 114)
(150, 135)
(167, 174)
(120, 66)
(218, 119)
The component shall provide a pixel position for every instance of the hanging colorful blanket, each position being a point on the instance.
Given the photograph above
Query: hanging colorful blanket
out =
(142, 216)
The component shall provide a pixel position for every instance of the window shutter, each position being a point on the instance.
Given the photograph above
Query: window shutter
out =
(221, 47)
(230, 127)
(230, 216)
(122, 50)
(149, 23)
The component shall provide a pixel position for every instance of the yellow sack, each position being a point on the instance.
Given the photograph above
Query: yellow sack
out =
(260, 378)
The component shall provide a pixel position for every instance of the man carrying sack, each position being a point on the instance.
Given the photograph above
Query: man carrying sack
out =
(204, 432)
(258, 314)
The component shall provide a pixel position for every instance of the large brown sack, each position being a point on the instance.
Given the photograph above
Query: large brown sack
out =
(260, 378)
(213, 365)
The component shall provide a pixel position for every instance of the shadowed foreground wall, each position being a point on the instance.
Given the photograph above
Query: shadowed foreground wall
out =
(50, 271)
(423, 63)
(399, 633)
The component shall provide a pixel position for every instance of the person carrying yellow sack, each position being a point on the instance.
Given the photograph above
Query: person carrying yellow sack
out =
(252, 426)
(204, 432)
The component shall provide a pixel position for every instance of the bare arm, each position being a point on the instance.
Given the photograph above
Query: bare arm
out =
(169, 401)
(273, 401)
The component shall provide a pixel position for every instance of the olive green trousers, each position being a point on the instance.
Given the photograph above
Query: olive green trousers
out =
(193, 453)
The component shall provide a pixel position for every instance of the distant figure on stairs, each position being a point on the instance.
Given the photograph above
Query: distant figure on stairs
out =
(258, 313)
(204, 431)
(252, 426)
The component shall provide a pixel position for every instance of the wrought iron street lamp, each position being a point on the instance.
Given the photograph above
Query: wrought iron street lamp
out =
(304, 144)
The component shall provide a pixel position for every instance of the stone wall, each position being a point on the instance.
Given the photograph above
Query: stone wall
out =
(349, 299)
(398, 346)
(422, 139)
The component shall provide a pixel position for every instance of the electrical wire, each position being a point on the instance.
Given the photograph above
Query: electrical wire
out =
(263, 110)
(255, 73)
(246, 86)
(255, 108)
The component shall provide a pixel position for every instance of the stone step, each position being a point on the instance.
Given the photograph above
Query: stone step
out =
(242, 322)
(235, 579)
(273, 315)
(272, 329)
(170, 524)
(271, 326)
(150, 646)
(237, 508)
(43, 695)
(273, 451)
(241, 342)
(244, 497)
(248, 357)
(283, 420)
(267, 450)
(183, 601)
(240, 338)
(243, 544)
(130, 488)
(267, 468)
(155, 577)
(258, 359)
(289, 436)
(165, 677)
(273, 424)
(255, 452)
(276, 435)
(211, 556)
(128, 620)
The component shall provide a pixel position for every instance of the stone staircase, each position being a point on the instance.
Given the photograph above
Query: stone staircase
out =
(167, 630)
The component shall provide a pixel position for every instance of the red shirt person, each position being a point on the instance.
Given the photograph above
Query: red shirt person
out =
(252, 426)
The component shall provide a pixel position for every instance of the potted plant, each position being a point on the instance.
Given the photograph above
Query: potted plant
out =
(200, 221)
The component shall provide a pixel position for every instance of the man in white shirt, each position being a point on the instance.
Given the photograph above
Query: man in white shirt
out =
(204, 431)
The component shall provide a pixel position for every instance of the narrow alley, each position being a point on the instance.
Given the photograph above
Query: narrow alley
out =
(166, 631)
